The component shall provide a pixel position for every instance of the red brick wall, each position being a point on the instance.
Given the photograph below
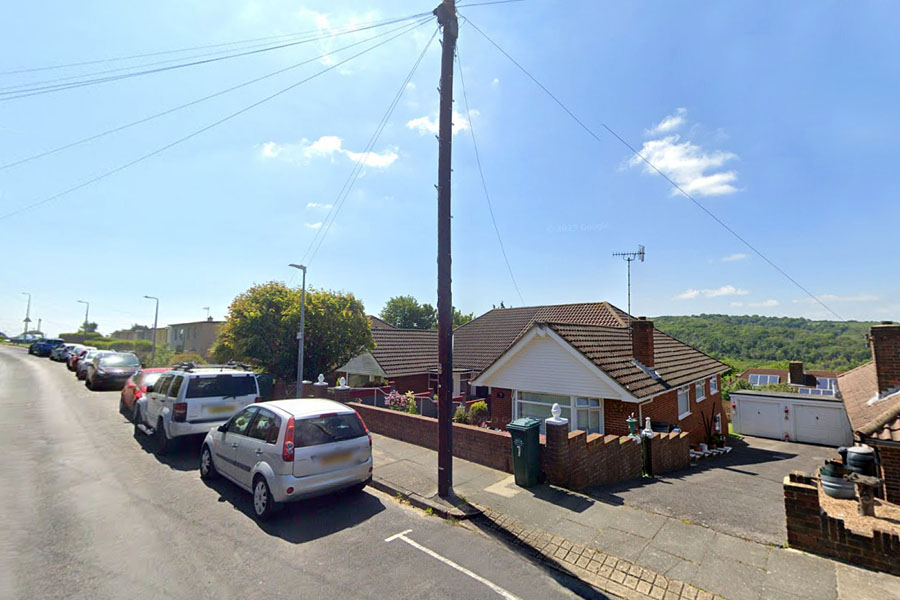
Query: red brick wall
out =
(483, 446)
(670, 452)
(665, 408)
(615, 412)
(890, 472)
(501, 408)
(810, 528)
(417, 383)
(884, 340)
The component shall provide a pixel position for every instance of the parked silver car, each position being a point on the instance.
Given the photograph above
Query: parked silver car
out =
(286, 450)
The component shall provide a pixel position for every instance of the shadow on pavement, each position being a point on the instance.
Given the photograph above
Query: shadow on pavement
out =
(304, 520)
(185, 456)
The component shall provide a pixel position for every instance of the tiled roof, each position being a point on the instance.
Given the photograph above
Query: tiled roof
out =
(610, 349)
(481, 341)
(376, 323)
(405, 351)
(873, 417)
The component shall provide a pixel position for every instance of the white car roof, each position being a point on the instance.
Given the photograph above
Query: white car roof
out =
(212, 371)
(309, 407)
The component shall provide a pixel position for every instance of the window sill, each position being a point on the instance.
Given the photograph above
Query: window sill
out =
(701, 399)
(684, 415)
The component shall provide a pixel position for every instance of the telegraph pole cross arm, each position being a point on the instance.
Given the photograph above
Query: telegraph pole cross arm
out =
(446, 16)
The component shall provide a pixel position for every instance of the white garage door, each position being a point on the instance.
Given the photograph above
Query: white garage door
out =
(821, 425)
(760, 419)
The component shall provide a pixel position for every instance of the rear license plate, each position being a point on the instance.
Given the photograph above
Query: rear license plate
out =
(218, 410)
(337, 458)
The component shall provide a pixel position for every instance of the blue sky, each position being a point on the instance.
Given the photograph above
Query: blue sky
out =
(779, 117)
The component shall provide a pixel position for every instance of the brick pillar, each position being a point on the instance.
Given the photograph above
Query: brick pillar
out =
(307, 390)
(802, 512)
(340, 393)
(884, 341)
(320, 390)
(795, 372)
(557, 463)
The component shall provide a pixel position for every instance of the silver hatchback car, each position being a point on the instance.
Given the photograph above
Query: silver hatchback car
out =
(287, 450)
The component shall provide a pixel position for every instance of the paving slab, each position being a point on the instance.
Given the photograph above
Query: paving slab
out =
(662, 562)
(862, 584)
(620, 543)
(683, 540)
(801, 574)
(734, 580)
(737, 549)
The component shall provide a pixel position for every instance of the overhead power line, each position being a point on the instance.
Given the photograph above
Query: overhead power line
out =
(199, 131)
(202, 47)
(35, 89)
(204, 98)
(473, 4)
(657, 170)
(336, 206)
(487, 196)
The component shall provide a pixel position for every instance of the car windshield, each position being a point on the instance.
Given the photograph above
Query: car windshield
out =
(221, 385)
(91, 354)
(151, 378)
(327, 429)
(120, 360)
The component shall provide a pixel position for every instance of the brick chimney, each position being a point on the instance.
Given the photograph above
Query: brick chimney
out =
(884, 341)
(795, 373)
(642, 341)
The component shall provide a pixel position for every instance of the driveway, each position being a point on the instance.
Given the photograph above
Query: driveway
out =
(740, 493)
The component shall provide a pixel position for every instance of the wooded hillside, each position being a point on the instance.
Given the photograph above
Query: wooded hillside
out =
(744, 341)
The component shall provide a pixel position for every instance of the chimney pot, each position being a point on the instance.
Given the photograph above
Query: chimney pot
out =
(642, 341)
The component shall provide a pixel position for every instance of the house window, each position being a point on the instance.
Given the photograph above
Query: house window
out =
(684, 402)
(700, 388)
(530, 404)
(589, 415)
(713, 385)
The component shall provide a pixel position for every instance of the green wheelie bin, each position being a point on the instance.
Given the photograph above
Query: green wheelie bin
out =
(526, 445)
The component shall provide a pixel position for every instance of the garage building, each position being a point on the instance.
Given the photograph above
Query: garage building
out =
(786, 416)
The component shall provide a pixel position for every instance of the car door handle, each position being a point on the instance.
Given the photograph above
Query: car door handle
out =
(235, 445)
(258, 451)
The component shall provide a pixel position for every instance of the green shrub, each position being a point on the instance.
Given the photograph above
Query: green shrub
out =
(411, 405)
(460, 415)
(478, 413)
(187, 357)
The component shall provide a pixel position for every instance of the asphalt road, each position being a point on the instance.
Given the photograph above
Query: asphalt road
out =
(88, 511)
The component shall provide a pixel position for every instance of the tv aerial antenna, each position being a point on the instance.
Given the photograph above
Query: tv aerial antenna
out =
(630, 257)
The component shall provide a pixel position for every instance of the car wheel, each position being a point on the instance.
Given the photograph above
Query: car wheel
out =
(263, 503)
(207, 467)
(121, 405)
(136, 419)
(163, 443)
(88, 384)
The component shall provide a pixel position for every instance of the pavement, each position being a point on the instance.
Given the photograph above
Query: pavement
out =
(739, 493)
(89, 511)
(627, 551)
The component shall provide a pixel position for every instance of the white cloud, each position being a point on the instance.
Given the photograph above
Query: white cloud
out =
(694, 169)
(837, 298)
(316, 225)
(736, 304)
(326, 146)
(765, 303)
(725, 290)
(318, 205)
(495, 82)
(428, 125)
(669, 123)
(733, 257)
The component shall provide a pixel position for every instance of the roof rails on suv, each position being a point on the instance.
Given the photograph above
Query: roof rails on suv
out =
(192, 366)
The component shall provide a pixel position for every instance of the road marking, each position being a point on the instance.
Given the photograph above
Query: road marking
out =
(447, 561)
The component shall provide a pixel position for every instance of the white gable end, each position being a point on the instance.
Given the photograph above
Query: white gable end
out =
(543, 364)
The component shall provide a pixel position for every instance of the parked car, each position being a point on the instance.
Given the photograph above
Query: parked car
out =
(286, 450)
(45, 346)
(72, 363)
(111, 369)
(84, 361)
(61, 353)
(137, 385)
(189, 399)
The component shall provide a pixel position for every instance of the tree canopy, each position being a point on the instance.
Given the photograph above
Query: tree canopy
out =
(745, 341)
(406, 312)
(262, 325)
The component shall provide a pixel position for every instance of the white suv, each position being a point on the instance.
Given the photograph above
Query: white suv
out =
(190, 399)
(286, 450)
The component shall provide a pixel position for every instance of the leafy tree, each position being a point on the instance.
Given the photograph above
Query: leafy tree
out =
(405, 312)
(461, 319)
(262, 326)
(90, 328)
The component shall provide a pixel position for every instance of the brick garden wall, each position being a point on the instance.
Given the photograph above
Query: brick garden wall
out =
(810, 528)
(670, 452)
(483, 446)
(501, 408)
(890, 472)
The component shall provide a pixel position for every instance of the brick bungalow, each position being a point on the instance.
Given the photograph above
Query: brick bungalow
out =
(871, 395)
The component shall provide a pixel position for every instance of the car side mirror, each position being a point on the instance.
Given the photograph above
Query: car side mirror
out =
(149, 388)
(222, 428)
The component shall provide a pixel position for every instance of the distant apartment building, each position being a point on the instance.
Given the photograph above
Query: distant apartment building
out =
(162, 334)
(196, 337)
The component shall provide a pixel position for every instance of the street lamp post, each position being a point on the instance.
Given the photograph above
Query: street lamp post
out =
(27, 314)
(300, 333)
(155, 317)
(87, 308)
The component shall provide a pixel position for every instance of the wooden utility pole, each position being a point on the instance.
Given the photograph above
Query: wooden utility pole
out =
(446, 16)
